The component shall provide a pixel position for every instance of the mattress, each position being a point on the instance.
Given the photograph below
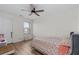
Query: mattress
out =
(49, 45)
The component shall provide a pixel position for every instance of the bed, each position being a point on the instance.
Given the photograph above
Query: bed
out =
(52, 45)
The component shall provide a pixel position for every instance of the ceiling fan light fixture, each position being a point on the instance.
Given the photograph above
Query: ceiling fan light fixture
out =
(33, 10)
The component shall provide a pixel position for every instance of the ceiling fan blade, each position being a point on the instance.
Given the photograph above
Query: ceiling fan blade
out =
(34, 9)
(36, 14)
(23, 10)
(39, 11)
(30, 14)
(32, 6)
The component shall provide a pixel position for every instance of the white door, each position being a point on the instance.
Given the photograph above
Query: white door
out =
(27, 30)
(6, 29)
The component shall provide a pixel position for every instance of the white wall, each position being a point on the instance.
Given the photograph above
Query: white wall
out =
(17, 26)
(18, 29)
(18, 34)
(59, 20)
(78, 17)
(6, 26)
(6, 29)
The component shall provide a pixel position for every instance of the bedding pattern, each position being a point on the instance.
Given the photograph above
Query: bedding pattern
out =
(50, 45)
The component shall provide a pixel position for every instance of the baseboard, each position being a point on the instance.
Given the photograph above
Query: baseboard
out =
(18, 41)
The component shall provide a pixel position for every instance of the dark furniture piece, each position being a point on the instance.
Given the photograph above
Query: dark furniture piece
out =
(75, 44)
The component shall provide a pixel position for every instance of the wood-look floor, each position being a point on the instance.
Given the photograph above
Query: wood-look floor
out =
(24, 48)
(6, 49)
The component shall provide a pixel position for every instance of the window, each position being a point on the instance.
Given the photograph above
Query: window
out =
(26, 27)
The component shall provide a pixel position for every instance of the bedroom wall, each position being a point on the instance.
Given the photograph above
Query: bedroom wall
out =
(6, 28)
(17, 26)
(59, 20)
(18, 34)
(18, 29)
(78, 17)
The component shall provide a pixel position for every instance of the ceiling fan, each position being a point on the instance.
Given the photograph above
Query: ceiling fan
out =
(33, 10)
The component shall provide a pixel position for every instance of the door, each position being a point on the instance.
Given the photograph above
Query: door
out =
(6, 29)
(27, 30)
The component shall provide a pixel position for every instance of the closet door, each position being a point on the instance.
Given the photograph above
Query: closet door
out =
(6, 29)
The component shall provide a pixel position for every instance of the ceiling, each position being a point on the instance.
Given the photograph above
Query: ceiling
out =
(50, 9)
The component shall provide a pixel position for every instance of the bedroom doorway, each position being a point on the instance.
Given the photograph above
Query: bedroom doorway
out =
(27, 30)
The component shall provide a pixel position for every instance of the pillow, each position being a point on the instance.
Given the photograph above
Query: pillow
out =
(63, 49)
